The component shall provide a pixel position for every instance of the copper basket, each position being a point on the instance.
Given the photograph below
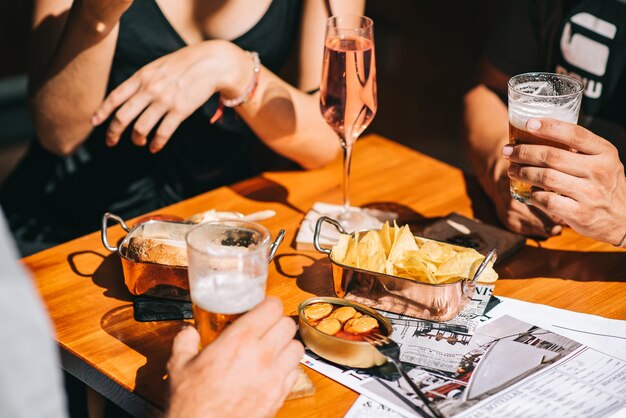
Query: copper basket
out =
(153, 279)
(433, 302)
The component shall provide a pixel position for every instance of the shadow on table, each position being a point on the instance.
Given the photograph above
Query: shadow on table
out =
(261, 189)
(108, 275)
(579, 266)
(311, 275)
(153, 340)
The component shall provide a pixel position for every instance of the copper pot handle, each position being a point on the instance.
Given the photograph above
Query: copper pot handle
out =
(470, 284)
(105, 224)
(318, 231)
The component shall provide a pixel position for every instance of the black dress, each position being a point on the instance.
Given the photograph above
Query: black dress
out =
(50, 199)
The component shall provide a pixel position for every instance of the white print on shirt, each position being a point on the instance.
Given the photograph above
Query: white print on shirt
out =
(590, 55)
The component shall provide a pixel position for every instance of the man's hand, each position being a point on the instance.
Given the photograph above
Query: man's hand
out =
(517, 216)
(247, 372)
(584, 187)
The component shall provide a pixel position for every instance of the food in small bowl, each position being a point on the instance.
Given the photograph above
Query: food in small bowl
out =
(335, 328)
(341, 321)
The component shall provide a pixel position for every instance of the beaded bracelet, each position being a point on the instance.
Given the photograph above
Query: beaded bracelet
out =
(250, 88)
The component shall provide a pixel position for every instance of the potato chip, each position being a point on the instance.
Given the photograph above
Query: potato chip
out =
(340, 250)
(386, 238)
(371, 255)
(395, 251)
(437, 252)
(404, 243)
(351, 254)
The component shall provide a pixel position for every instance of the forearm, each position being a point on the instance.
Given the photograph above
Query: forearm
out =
(289, 121)
(486, 126)
(73, 84)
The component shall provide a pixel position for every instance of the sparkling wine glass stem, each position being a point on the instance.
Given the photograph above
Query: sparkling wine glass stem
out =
(347, 163)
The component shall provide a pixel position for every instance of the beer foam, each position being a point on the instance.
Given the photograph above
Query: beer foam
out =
(520, 112)
(538, 103)
(227, 294)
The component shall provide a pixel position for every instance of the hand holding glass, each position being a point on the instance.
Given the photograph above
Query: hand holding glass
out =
(539, 95)
(228, 263)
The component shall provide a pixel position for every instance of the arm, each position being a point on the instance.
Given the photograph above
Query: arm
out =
(486, 126)
(72, 51)
(168, 90)
(287, 119)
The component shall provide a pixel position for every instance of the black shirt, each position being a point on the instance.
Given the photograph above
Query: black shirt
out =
(50, 199)
(582, 38)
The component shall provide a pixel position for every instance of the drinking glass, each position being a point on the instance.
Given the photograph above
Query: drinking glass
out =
(540, 95)
(348, 99)
(228, 263)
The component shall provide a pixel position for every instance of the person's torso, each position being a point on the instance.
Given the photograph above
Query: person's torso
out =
(199, 156)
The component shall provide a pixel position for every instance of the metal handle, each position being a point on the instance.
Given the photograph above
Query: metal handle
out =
(274, 247)
(105, 224)
(492, 255)
(318, 231)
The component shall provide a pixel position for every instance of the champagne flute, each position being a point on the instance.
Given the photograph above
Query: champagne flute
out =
(348, 99)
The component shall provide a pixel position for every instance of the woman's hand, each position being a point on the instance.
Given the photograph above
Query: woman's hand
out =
(168, 90)
(586, 188)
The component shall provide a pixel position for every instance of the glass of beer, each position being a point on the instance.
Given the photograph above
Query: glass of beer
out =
(540, 95)
(228, 262)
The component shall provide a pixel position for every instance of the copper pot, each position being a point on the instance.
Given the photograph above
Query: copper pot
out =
(433, 302)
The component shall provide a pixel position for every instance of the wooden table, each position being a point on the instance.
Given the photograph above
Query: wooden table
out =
(82, 283)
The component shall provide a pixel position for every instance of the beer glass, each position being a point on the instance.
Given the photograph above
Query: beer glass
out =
(539, 95)
(228, 262)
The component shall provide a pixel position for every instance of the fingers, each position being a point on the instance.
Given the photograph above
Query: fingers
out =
(554, 204)
(184, 348)
(280, 335)
(166, 129)
(546, 156)
(530, 221)
(290, 381)
(547, 179)
(146, 122)
(289, 358)
(115, 99)
(569, 134)
(258, 321)
(124, 116)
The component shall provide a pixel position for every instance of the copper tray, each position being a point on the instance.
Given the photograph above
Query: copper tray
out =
(433, 302)
(153, 279)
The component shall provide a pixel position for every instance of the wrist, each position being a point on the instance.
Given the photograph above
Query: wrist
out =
(238, 74)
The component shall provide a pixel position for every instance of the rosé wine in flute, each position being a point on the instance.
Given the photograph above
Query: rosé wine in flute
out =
(348, 93)
(348, 98)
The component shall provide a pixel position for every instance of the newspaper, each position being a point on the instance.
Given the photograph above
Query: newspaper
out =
(439, 345)
(509, 365)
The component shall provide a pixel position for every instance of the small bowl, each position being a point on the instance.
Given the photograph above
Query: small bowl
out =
(357, 354)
